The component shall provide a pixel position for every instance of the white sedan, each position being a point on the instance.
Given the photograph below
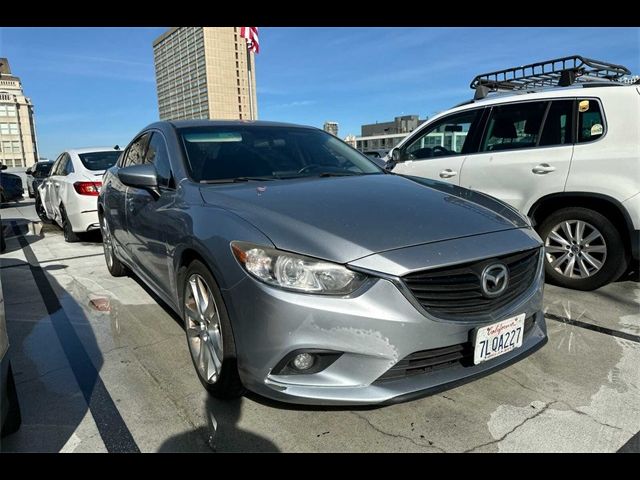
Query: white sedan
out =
(68, 196)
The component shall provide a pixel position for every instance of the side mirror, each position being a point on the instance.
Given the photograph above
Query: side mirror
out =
(3, 166)
(140, 176)
(396, 155)
(29, 171)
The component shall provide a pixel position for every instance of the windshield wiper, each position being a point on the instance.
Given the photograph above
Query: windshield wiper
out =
(240, 179)
(337, 174)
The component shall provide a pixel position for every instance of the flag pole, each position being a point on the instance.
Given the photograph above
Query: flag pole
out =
(250, 82)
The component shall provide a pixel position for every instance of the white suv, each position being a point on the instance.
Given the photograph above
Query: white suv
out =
(562, 146)
(69, 195)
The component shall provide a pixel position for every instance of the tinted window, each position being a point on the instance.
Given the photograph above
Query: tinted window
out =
(590, 121)
(219, 153)
(445, 137)
(99, 160)
(158, 155)
(42, 169)
(514, 126)
(62, 165)
(135, 153)
(68, 166)
(557, 125)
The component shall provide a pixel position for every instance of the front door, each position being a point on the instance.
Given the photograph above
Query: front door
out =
(149, 219)
(438, 151)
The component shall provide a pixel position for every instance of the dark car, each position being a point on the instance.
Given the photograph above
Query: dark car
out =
(10, 187)
(35, 176)
(306, 273)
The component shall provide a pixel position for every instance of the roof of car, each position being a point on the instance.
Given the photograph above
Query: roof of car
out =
(229, 123)
(90, 150)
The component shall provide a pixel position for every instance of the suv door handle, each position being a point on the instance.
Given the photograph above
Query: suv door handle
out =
(542, 169)
(448, 173)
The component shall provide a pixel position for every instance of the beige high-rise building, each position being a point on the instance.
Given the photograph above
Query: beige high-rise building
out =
(202, 72)
(17, 130)
(331, 127)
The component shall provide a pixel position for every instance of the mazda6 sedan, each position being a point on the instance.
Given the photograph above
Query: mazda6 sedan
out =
(306, 273)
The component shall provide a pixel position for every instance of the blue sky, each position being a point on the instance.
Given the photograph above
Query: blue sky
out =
(96, 86)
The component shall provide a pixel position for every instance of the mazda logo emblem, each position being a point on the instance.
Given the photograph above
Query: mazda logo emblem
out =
(495, 278)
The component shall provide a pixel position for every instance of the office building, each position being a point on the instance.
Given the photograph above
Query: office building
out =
(331, 127)
(386, 135)
(18, 146)
(205, 72)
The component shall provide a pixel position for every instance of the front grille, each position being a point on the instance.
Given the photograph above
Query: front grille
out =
(427, 361)
(455, 292)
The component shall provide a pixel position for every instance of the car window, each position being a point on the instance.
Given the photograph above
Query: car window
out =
(557, 124)
(158, 155)
(221, 153)
(135, 152)
(513, 126)
(99, 160)
(590, 121)
(42, 169)
(445, 137)
(68, 167)
(62, 165)
(56, 164)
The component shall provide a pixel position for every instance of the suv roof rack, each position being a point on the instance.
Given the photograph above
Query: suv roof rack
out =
(559, 72)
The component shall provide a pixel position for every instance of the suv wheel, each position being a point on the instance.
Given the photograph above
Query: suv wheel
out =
(583, 249)
(209, 333)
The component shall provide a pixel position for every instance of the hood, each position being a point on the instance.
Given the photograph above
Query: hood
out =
(344, 218)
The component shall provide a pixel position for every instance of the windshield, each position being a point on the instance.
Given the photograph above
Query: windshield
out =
(42, 169)
(246, 152)
(99, 160)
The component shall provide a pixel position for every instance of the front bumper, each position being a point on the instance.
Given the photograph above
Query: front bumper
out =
(375, 329)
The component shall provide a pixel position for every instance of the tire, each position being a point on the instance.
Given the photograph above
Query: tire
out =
(114, 265)
(42, 214)
(69, 235)
(14, 418)
(225, 383)
(600, 261)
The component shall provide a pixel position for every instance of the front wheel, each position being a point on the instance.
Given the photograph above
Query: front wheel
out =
(583, 249)
(209, 333)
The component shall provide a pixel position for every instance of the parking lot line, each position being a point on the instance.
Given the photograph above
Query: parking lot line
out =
(112, 428)
(595, 328)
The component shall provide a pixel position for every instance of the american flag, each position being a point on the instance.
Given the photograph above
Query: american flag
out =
(251, 34)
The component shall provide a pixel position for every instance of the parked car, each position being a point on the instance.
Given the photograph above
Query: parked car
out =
(36, 174)
(9, 407)
(306, 273)
(10, 187)
(565, 156)
(68, 195)
(3, 244)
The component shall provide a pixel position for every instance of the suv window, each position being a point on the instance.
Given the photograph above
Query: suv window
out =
(158, 155)
(451, 135)
(557, 128)
(135, 152)
(514, 126)
(42, 169)
(590, 120)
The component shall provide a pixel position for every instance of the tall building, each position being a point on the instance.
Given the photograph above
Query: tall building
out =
(350, 140)
(203, 72)
(331, 127)
(17, 130)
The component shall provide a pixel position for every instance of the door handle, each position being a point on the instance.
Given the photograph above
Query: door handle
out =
(542, 169)
(448, 173)
(57, 185)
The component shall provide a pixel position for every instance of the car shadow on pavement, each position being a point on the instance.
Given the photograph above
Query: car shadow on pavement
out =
(31, 231)
(56, 362)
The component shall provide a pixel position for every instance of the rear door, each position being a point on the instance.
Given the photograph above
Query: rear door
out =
(60, 185)
(438, 150)
(47, 186)
(525, 152)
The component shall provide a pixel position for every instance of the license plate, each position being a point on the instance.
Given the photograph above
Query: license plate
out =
(499, 338)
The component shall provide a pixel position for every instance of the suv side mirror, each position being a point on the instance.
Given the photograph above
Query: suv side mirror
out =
(396, 155)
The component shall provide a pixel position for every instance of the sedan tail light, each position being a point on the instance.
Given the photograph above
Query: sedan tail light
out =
(88, 188)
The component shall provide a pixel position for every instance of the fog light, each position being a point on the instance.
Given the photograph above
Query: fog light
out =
(304, 361)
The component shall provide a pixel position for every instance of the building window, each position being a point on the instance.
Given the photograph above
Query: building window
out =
(9, 128)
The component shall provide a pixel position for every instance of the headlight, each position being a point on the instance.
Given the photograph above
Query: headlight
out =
(295, 272)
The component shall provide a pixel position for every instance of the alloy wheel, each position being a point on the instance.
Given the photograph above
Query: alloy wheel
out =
(204, 332)
(575, 249)
(106, 242)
